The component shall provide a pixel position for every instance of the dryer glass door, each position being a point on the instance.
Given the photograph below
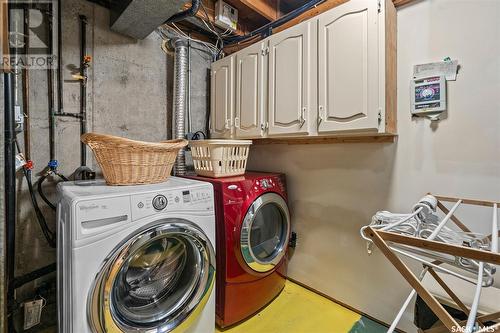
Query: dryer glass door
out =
(158, 279)
(265, 232)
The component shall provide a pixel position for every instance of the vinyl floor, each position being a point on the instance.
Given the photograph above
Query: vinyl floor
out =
(299, 310)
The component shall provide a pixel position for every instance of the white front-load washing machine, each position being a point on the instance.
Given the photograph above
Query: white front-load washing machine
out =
(136, 258)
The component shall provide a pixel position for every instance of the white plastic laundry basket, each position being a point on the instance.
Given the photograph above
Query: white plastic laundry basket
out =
(220, 158)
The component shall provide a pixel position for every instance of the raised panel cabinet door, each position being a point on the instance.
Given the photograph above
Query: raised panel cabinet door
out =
(289, 80)
(249, 92)
(222, 98)
(348, 64)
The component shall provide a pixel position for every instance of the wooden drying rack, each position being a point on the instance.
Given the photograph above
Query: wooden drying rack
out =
(382, 238)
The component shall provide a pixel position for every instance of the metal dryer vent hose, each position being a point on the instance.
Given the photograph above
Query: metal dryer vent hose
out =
(180, 100)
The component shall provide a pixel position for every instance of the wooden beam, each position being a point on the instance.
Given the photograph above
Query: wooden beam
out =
(416, 284)
(4, 35)
(450, 293)
(451, 249)
(455, 219)
(467, 201)
(262, 7)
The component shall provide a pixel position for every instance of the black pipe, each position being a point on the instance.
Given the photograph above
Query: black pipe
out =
(195, 6)
(267, 29)
(83, 87)
(60, 83)
(27, 278)
(50, 94)
(68, 114)
(10, 184)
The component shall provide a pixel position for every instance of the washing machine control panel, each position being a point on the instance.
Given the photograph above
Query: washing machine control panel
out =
(192, 200)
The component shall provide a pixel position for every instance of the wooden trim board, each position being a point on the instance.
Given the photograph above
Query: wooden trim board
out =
(327, 140)
(391, 68)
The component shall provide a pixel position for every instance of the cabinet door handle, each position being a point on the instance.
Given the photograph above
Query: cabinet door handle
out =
(321, 115)
(302, 118)
(237, 122)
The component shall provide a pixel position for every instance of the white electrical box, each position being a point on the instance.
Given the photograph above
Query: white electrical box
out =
(428, 96)
(18, 115)
(226, 16)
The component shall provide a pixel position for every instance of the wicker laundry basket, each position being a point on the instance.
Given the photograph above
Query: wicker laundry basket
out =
(220, 158)
(129, 162)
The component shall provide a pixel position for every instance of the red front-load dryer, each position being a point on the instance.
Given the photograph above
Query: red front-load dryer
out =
(253, 231)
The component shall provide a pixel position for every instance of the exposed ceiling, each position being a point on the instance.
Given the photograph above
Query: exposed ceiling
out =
(252, 14)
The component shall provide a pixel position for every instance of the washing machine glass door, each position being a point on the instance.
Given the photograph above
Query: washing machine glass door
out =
(157, 280)
(265, 232)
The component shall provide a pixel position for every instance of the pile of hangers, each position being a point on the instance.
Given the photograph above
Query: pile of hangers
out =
(424, 223)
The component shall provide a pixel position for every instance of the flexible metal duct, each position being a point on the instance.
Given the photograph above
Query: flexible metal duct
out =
(180, 100)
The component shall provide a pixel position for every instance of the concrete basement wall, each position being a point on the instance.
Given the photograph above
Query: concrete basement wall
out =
(335, 189)
(129, 94)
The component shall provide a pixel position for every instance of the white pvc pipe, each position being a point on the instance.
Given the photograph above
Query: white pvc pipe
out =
(396, 320)
(437, 267)
(471, 320)
(494, 230)
(443, 221)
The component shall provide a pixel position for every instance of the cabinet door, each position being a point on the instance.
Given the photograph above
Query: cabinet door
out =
(290, 97)
(222, 103)
(348, 80)
(250, 91)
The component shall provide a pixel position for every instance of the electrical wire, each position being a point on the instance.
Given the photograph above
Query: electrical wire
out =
(196, 135)
(170, 31)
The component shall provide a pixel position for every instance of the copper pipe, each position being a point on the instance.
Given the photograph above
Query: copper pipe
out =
(26, 89)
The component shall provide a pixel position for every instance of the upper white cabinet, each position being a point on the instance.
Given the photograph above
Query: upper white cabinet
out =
(250, 91)
(348, 68)
(290, 70)
(332, 75)
(222, 98)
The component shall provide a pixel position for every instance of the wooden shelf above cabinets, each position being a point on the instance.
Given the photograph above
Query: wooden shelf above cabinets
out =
(379, 138)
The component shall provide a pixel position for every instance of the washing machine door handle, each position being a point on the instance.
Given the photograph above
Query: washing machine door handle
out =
(159, 279)
(265, 232)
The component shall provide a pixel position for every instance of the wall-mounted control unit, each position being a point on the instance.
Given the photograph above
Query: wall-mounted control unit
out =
(226, 16)
(428, 96)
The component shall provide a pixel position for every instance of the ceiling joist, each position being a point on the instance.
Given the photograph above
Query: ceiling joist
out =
(265, 8)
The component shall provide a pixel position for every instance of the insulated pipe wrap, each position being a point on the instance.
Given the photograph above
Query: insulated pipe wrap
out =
(180, 101)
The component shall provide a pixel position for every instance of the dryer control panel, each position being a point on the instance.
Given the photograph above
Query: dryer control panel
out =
(192, 200)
